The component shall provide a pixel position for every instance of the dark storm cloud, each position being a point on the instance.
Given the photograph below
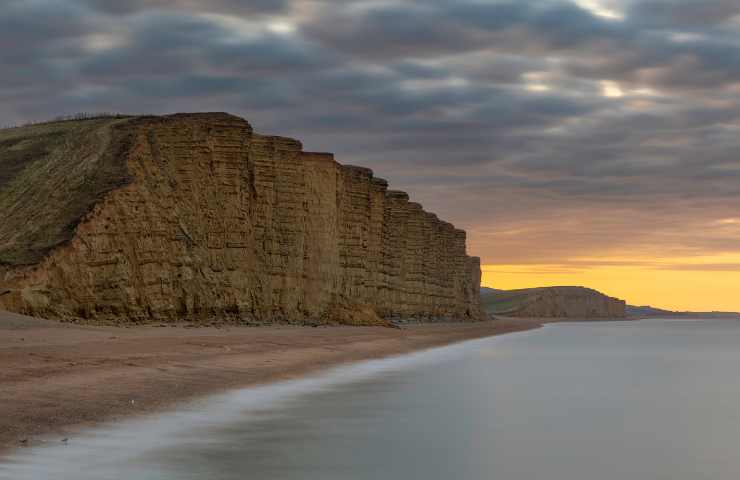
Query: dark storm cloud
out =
(32, 31)
(489, 112)
(598, 48)
(435, 28)
(179, 44)
(684, 13)
(222, 6)
(666, 61)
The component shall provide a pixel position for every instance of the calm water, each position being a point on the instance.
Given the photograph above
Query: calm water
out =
(600, 401)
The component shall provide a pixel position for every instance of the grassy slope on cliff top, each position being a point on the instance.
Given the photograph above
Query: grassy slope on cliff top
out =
(51, 175)
(502, 302)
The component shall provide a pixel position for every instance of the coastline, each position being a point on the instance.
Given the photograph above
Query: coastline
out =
(58, 378)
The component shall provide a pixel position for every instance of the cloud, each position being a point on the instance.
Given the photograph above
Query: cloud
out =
(676, 14)
(232, 7)
(425, 29)
(585, 132)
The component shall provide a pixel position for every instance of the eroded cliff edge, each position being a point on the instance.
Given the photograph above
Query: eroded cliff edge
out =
(196, 217)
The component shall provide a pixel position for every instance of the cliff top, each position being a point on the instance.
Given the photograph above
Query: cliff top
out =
(66, 165)
(503, 302)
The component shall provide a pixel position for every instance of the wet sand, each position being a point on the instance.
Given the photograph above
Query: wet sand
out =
(56, 378)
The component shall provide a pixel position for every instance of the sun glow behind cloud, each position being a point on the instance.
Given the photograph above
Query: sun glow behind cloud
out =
(281, 27)
(599, 9)
(611, 89)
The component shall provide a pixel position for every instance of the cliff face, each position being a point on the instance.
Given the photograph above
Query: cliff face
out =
(203, 219)
(553, 302)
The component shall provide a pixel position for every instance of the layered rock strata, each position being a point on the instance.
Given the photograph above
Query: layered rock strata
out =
(209, 220)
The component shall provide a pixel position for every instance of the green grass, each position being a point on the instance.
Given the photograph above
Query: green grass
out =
(501, 302)
(51, 175)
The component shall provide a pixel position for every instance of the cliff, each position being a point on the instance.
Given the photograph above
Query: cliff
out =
(646, 311)
(196, 217)
(552, 302)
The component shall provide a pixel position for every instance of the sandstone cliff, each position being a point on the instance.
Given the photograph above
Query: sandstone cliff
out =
(553, 302)
(194, 216)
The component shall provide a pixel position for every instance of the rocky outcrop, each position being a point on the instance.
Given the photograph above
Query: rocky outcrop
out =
(204, 219)
(553, 302)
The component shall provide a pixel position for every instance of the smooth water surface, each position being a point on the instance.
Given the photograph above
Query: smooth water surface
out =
(642, 400)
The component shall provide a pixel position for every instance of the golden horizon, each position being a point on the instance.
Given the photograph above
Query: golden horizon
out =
(699, 284)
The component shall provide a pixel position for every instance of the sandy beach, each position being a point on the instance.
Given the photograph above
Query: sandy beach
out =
(57, 377)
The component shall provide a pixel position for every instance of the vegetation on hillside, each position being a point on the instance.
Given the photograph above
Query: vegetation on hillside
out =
(65, 164)
(77, 117)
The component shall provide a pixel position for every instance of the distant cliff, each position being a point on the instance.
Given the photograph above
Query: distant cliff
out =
(646, 311)
(552, 302)
(194, 216)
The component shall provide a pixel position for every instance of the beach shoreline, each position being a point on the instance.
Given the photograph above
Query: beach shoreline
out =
(59, 378)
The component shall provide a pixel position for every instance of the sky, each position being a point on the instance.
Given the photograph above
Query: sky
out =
(583, 142)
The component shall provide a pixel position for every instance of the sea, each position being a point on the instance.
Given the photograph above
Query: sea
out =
(633, 400)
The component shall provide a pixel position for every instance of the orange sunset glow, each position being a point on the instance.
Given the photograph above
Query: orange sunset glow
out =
(659, 285)
(689, 261)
